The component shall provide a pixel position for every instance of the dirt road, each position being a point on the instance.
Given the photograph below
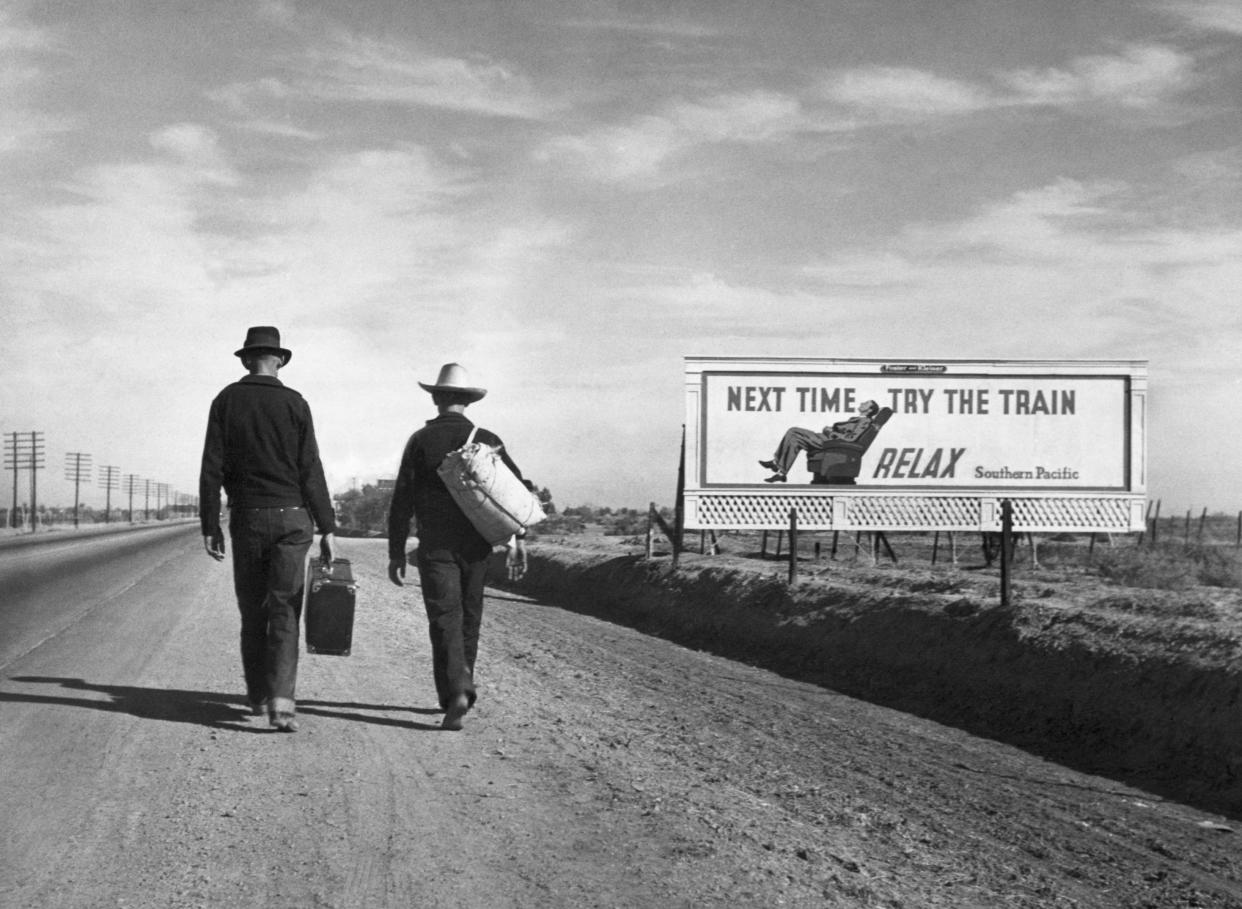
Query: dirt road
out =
(601, 768)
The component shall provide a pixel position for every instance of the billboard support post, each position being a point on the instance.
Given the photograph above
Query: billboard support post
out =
(1006, 550)
(793, 545)
(679, 514)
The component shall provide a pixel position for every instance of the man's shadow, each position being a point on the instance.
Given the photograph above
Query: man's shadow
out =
(202, 708)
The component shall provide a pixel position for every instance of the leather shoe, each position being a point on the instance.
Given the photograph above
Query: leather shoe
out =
(769, 465)
(453, 714)
(775, 478)
(284, 722)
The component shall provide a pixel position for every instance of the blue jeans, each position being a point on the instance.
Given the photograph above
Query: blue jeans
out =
(452, 586)
(269, 572)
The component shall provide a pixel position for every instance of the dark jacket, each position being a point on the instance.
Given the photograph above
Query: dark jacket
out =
(261, 448)
(420, 493)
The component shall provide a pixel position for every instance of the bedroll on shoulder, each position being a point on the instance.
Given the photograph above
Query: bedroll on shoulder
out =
(497, 503)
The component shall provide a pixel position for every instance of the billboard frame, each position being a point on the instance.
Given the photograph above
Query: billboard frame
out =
(756, 506)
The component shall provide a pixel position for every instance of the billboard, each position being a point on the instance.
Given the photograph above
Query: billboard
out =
(989, 429)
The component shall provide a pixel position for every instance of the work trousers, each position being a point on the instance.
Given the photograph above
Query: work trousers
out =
(269, 572)
(452, 586)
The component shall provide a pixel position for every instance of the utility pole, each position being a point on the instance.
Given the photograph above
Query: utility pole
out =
(36, 461)
(131, 483)
(24, 450)
(109, 479)
(77, 468)
(12, 462)
(146, 502)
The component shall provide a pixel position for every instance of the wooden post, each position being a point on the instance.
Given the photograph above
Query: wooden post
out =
(1006, 538)
(817, 550)
(1202, 521)
(837, 533)
(953, 547)
(780, 539)
(650, 532)
(1155, 523)
(882, 539)
(679, 516)
(1186, 534)
(793, 545)
(935, 546)
(763, 552)
(1239, 540)
(1146, 522)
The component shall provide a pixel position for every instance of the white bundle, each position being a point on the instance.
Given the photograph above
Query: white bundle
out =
(497, 503)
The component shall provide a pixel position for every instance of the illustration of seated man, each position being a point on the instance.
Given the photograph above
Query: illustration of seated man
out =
(834, 456)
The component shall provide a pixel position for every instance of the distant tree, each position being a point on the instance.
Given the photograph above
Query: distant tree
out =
(364, 511)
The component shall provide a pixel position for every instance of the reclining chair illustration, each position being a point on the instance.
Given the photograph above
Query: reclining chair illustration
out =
(838, 461)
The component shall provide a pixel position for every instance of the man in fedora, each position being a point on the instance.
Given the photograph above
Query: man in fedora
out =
(261, 448)
(452, 555)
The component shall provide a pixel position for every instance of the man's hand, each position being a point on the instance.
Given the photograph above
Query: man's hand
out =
(515, 559)
(326, 544)
(214, 544)
(396, 571)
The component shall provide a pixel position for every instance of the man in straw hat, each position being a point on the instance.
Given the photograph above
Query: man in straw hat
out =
(452, 556)
(261, 448)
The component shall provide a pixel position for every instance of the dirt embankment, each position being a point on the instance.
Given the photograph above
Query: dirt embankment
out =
(1142, 685)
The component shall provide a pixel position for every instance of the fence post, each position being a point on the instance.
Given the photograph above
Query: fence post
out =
(650, 532)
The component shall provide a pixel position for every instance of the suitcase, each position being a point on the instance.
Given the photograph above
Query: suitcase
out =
(330, 607)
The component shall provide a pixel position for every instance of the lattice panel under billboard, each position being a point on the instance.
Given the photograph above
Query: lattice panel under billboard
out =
(867, 511)
(912, 512)
(753, 511)
(1076, 513)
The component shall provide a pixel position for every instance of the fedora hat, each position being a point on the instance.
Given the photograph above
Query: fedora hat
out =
(453, 378)
(263, 337)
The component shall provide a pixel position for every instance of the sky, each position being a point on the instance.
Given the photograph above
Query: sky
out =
(570, 198)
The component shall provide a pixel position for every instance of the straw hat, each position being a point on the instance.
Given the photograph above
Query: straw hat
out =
(453, 378)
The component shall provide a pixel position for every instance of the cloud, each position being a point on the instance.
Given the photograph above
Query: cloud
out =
(1209, 15)
(641, 148)
(1057, 270)
(351, 68)
(1141, 76)
(902, 92)
(22, 125)
(21, 36)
